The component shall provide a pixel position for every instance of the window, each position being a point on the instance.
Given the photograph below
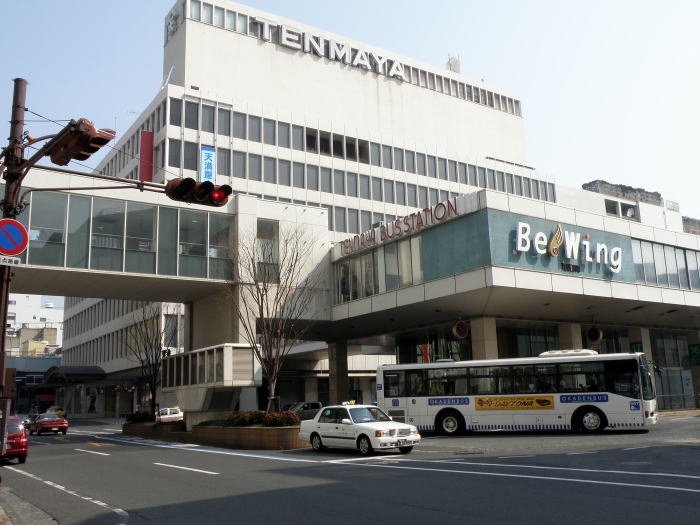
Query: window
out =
(298, 138)
(388, 191)
(376, 189)
(442, 169)
(254, 128)
(398, 159)
(363, 151)
(401, 193)
(491, 179)
(411, 195)
(312, 177)
(326, 181)
(254, 167)
(191, 115)
(269, 132)
(339, 182)
(420, 164)
(239, 125)
(364, 187)
(208, 118)
(175, 112)
(410, 162)
(174, 147)
(353, 226)
(352, 184)
(267, 248)
(284, 173)
(223, 161)
(375, 154)
(190, 160)
(324, 143)
(239, 164)
(422, 197)
(432, 167)
(386, 157)
(298, 174)
(283, 134)
(365, 220)
(270, 175)
(339, 216)
(224, 127)
(338, 150)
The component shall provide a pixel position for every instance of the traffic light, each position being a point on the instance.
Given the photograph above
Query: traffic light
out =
(189, 190)
(77, 141)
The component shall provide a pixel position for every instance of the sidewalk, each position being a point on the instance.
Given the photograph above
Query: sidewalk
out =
(16, 511)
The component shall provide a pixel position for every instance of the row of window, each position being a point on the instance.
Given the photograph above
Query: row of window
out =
(96, 315)
(667, 266)
(193, 368)
(240, 23)
(269, 131)
(101, 349)
(618, 377)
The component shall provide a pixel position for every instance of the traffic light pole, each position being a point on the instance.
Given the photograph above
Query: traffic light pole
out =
(14, 162)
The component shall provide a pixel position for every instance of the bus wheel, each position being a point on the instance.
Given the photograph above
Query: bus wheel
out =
(449, 423)
(589, 420)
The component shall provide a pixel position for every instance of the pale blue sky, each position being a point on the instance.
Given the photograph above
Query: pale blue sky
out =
(609, 88)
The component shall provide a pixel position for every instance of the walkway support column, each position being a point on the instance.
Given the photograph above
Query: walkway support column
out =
(570, 336)
(338, 372)
(484, 338)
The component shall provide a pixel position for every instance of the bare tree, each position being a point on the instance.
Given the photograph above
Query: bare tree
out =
(147, 341)
(275, 294)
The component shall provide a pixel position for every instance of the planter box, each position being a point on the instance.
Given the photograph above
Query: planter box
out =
(250, 438)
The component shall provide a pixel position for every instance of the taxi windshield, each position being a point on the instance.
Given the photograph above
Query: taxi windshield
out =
(367, 415)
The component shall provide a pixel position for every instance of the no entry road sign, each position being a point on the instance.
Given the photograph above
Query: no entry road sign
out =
(13, 237)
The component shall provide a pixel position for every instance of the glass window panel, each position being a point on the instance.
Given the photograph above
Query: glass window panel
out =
(326, 180)
(509, 182)
(174, 147)
(339, 182)
(47, 234)
(377, 218)
(660, 262)
(398, 159)
(350, 148)
(338, 150)
(410, 161)
(527, 192)
(420, 164)
(473, 179)
(422, 197)
(671, 267)
(693, 269)
(353, 218)
(444, 195)
(140, 238)
(239, 164)
(269, 131)
(339, 216)
(78, 231)
(312, 177)
(312, 141)
(231, 20)
(242, 24)
(649, 266)
(442, 169)
(364, 187)
(366, 221)
(388, 191)
(432, 166)
(535, 188)
(167, 241)
(298, 138)
(208, 118)
(452, 165)
(363, 151)
(283, 134)
(298, 175)
(223, 161)
(401, 193)
(682, 268)
(551, 195)
(193, 242)
(285, 176)
(270, 170)
(405, 272)
(224, 122)
(324, 142)
(107, 242)
(638, 262)
(434, 196)
(500, 181)
(239, 125)
(254, 128)
(254, 167)
(391, 266)
(207, 13)
(463, 179)
(387, 161)
(411, 195)
(175, 111)
(190, 157)
(375, 154)
(352, 184)
(191, 115)
(220, 265)
(376, 189)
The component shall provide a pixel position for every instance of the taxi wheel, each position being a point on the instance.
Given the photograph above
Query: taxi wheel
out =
(364, 446)
(22, 459)
(316, 443)
(405, 450)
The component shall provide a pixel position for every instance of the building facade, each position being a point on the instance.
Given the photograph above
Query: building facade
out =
(430, 214)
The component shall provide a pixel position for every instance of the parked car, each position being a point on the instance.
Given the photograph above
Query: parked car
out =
(365, 427)
(165, 415)
(61, 411)
(17, 444)
(48, 423)
(305, 409)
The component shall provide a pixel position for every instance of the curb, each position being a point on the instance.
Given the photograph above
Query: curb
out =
(16, 511)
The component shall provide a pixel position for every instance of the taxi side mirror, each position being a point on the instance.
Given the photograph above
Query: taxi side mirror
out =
(345, 421)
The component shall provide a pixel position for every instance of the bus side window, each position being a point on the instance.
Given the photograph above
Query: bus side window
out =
(415, 383)
(394, 384)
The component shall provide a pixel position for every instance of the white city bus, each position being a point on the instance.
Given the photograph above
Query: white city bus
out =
(559, 390)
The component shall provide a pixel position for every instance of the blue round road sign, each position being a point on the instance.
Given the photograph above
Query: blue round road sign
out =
(13, 237)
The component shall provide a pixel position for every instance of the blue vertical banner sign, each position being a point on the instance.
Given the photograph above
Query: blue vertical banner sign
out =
(208, 164)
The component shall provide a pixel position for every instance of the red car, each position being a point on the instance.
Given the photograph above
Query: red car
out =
(48, 423)
(17, 444)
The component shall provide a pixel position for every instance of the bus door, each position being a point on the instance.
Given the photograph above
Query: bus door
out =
(416, 390)
(393, 388)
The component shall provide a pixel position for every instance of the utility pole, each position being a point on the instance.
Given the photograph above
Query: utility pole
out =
(14, 160)
(77, 140)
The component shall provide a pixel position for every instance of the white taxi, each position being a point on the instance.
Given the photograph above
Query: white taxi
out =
(364, 427)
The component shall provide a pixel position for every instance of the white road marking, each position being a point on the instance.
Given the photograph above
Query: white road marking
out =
(187, 468)
(363, 458)
(91, 432)
(680, 418)
(508, 457)
(540, 467)
(580, 453)
(123, 515)
(92, 452)
(634, 448)
(546, 478)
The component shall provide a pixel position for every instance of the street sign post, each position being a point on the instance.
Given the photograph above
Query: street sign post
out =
(13, 237)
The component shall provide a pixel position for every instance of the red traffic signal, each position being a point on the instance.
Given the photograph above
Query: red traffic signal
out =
(189, 190)
(78, 140)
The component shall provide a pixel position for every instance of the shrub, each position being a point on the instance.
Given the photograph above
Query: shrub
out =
(139, 417)
(244, 419)
(281, 419)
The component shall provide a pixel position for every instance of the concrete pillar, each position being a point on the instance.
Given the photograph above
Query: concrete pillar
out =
(310, 389)
(570, 336)
(338, 372)
(640, 341)
(484, 338)
(214, 321)
(248, 399)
